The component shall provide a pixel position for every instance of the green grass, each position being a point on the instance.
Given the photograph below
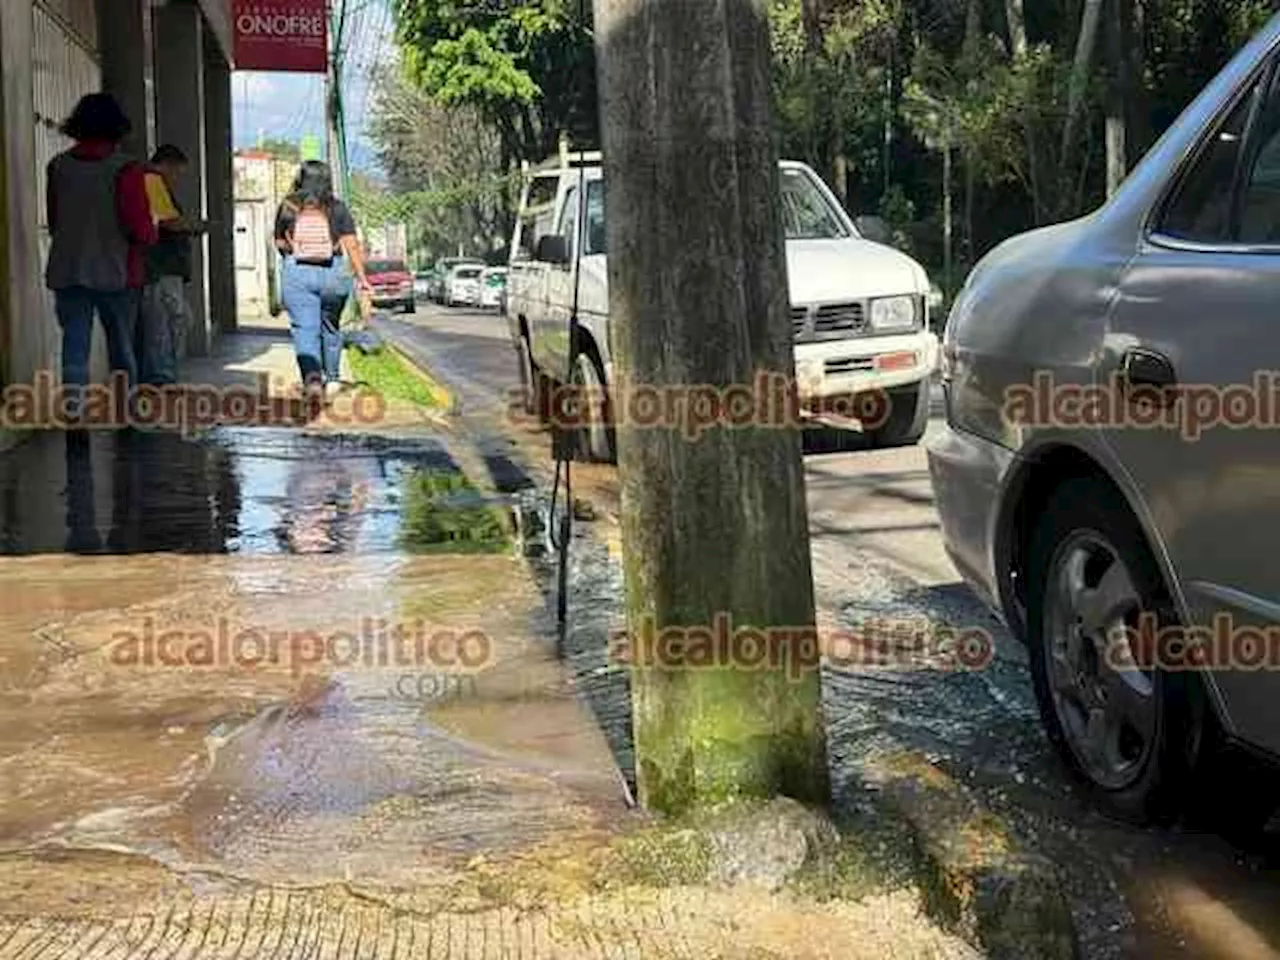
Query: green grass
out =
(443, 513)
(390, 376)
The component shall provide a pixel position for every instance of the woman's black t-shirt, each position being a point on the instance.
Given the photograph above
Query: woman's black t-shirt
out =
(341, 223)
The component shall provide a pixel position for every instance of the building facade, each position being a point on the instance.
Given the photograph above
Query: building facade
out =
(169, 63)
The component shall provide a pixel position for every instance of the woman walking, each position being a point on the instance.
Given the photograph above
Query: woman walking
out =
(100, 225)
(317, 236)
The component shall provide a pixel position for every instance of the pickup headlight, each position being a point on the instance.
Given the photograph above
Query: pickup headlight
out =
(894, 313)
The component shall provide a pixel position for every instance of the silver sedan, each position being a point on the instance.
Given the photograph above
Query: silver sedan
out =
(1109, 476)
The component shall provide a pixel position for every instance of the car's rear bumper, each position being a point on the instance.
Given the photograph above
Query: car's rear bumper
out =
(836, 368)
(969, 475)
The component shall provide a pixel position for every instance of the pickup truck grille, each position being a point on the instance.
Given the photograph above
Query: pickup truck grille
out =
(800, 322)
(839, 318)
(834, 368)
(830, 321)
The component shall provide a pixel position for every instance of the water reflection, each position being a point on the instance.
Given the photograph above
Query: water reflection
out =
(323, 506)
(258, 491)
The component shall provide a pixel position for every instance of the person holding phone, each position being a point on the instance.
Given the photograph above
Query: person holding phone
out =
(166, 313)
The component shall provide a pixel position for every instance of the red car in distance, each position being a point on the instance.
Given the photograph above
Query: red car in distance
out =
(392, 284)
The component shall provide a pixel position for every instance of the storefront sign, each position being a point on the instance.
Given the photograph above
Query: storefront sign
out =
(288, 35)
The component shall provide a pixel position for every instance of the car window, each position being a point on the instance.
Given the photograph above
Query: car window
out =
(536, 220)
(1200, 207)
(595, 218)
(568, 225)
(1260, 199)
(806, 214)
(386, 266)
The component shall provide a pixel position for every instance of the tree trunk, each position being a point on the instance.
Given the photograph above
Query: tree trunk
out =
(1017, 23)
(719, 589)
(1090, 17)
(1119, 13)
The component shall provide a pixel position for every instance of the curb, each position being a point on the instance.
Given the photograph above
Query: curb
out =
(1003, 898)
(448, 401)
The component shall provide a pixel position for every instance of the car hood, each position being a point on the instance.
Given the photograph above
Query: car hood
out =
(823, 271)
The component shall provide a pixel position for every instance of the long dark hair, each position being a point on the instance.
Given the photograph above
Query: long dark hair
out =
(313, 186)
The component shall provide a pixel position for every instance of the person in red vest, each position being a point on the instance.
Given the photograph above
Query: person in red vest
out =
(100, 225)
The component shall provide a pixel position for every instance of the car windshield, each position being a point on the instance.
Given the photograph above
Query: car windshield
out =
(468, 273)
(806, 213)
(386, 266)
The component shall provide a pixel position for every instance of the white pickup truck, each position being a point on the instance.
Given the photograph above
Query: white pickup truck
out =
(860, 309)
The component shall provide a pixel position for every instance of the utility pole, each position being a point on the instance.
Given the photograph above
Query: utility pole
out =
(715, 529)
(335, 135)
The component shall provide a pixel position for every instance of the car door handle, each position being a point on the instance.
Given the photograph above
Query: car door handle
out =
(1140, 367)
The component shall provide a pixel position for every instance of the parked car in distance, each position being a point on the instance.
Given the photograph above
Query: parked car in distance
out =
(443, 268)
(422, 284)
(462, 286)
(859, 309)
(1088, 491)
(493, 287)
(392, 283)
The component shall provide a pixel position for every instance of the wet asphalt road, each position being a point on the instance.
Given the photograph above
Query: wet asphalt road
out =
(1192, 891)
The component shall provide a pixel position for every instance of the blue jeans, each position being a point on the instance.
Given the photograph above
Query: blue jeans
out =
(314, 298)
(117, 309)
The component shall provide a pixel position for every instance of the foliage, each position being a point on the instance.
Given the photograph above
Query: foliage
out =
(446, 175)
(525, 66)
(444, 513)
(875, 94)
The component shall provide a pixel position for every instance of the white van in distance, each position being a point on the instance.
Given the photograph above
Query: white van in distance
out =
(859, 309)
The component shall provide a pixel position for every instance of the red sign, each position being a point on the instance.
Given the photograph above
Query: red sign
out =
(291, 35)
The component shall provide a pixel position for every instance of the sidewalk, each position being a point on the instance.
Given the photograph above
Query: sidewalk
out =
(239, 718)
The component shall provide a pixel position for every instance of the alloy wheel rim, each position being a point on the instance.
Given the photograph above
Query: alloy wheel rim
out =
(1106, 706)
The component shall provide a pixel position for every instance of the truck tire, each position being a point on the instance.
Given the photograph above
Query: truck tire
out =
(595, 439)
(907, 417)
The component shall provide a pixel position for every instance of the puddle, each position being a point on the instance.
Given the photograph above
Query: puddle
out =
(245, 492)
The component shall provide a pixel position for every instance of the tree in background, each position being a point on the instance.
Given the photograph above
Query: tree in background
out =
(993, 116)
(525, 67)
(446, 175)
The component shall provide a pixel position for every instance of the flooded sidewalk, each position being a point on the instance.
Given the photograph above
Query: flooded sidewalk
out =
(271, 656)
(296, 692)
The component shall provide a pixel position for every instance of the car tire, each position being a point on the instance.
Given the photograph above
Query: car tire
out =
(1132, 737)
(594, 439)
(907, 417)
(409, 307)
(530, 381)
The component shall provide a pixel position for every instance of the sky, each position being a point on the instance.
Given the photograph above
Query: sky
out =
(291, 105)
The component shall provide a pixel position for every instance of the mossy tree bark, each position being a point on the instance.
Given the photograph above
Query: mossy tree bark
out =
(715, 531)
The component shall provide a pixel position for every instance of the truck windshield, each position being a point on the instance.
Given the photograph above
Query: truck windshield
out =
(806, 213)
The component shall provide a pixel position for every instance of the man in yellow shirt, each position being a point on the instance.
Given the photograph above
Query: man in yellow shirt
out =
(165, 314)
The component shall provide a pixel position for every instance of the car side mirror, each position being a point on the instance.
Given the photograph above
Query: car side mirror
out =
(874, 229)
(552, 249)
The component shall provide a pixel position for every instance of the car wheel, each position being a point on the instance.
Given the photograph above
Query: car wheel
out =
(530, 380)
(410, 307)
(906, 417)
(1129, 731)
(594, 440)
